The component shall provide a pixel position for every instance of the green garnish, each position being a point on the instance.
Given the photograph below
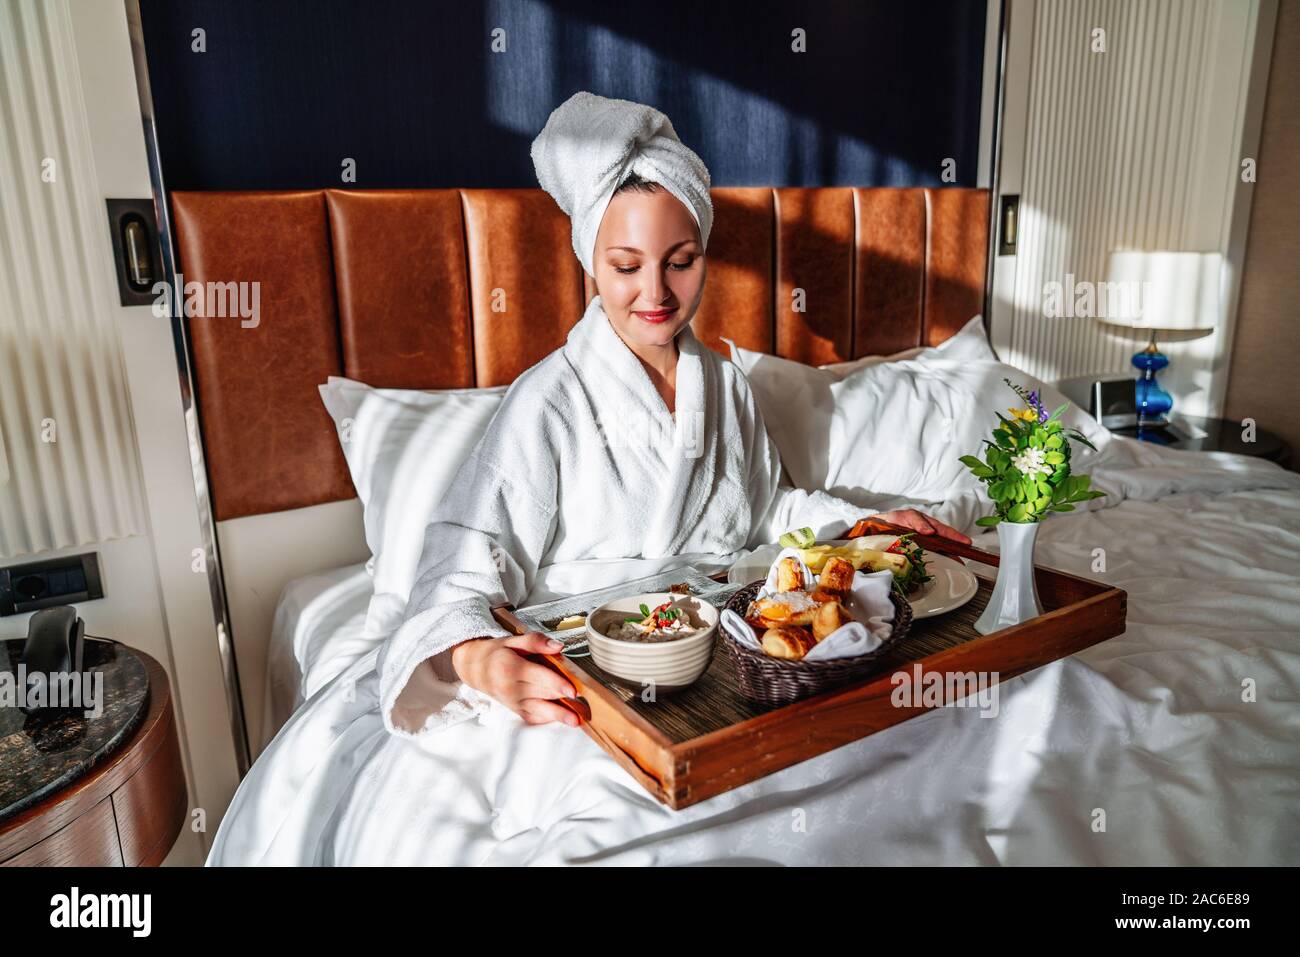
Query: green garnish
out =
(916, 576)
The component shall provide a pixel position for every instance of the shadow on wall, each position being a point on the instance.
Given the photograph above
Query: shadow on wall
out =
(283, 93)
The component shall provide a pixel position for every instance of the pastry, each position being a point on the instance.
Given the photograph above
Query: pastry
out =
(829, 617)
(837, 577)
(785, 641)
(786, 608)
(789, 576)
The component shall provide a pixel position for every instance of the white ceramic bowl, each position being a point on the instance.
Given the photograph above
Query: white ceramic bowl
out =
(670, 665)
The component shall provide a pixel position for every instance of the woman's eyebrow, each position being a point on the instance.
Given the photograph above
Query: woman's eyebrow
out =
(633, 249)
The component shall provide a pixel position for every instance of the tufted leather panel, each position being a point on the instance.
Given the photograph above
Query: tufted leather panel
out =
(958, 238)
(270, 444)
(814, 274)
(525, 282)
(889, 274)
(449, 288)
(403, 287)
(738, 293)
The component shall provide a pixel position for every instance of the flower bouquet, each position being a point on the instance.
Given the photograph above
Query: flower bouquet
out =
(1027, 465)
(1027, 470)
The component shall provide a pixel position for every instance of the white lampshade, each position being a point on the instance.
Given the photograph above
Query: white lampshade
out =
(1163, 290)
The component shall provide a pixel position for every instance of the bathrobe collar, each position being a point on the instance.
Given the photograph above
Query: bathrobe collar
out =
(673, 458)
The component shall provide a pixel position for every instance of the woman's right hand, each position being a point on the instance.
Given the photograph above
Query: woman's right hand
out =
(497, 667)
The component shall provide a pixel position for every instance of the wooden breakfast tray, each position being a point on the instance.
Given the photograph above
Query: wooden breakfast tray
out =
(706, 739)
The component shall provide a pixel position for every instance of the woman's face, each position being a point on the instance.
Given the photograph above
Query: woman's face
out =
(649, 266)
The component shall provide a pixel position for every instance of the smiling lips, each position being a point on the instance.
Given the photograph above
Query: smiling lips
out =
(658, 316)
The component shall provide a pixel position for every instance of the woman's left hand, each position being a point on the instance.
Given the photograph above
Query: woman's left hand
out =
(920, 522)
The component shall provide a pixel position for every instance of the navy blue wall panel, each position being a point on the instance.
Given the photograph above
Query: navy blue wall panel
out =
(287, 89)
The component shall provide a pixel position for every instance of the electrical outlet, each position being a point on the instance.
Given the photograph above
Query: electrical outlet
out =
(54, 581)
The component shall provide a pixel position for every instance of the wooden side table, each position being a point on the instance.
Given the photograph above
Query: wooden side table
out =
(127, 809)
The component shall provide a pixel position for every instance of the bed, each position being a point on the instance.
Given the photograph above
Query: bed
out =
(1173, 744)
(318, 629)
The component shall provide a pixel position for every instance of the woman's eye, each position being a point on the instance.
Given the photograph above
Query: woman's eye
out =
(625, 270)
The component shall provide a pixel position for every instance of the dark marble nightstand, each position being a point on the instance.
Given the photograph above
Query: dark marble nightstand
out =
(105, 789)
(1221, 435)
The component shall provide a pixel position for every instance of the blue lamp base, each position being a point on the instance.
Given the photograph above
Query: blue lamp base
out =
(1153, 402)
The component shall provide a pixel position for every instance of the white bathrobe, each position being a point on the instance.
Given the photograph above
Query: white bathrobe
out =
(569, 489)
(584, 461)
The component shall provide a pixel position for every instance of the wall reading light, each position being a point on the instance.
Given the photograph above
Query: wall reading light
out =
(1008, 224)
(135, 249)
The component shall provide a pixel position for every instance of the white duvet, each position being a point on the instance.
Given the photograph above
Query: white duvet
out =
(1176, 743)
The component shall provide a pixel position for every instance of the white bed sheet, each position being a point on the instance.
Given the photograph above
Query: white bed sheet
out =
(318, 630)
(1146, 749)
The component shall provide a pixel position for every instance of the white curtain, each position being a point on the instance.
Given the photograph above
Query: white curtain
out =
(68, 468)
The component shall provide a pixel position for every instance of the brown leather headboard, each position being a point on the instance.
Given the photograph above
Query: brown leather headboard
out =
(397, 288)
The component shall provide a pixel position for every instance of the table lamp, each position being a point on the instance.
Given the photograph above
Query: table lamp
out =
(1160, 290)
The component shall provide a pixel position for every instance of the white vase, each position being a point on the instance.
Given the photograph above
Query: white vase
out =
(1015, 595)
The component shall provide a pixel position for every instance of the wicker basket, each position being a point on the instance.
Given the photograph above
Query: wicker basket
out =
(776, 681)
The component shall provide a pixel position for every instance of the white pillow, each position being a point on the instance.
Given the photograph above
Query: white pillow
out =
(970, 342)
(892, 428)
(403, 447)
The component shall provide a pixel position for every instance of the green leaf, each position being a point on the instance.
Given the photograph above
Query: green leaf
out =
(970, 461)
(988, 520)
(1077, 436)
(1057, 413)
(1054, 458)
(1018, 513)
(1041, 504)
(1062, 508)
(1054, 442)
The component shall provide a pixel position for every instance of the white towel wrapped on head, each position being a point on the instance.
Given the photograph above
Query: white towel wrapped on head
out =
(589, 146)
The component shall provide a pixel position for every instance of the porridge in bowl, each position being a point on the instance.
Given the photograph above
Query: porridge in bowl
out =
(666, 622)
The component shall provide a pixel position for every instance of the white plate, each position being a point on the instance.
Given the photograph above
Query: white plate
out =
(953, 585)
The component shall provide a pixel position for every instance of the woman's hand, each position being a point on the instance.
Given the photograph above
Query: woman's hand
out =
(496, 667)
(920, 522)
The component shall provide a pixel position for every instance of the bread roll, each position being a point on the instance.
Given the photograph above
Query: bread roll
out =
(789, 576)
(829, 617)
(837, 577)
(785, 641)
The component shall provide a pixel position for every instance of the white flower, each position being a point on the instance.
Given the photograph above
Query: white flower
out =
(1032, 462)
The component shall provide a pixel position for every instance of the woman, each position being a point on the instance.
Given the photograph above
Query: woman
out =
(563, 447)
(632, 441)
